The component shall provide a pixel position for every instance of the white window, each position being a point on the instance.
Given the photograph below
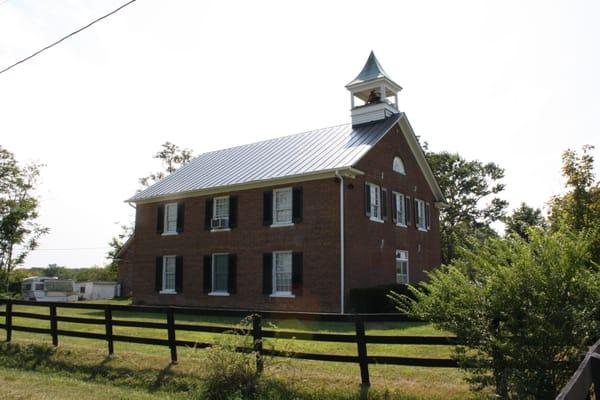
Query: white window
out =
(171, 218)
(282, 206)
(400, 209)
(421, 220)
(168, 281)
(282, 273)
(220, 273)
(398, 166)
(401, 266)
(375, 198)
(220, 218)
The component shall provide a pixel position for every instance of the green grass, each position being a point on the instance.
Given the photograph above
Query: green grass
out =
(143, 363)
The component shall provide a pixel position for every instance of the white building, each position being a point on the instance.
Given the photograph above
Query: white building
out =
(97, 290)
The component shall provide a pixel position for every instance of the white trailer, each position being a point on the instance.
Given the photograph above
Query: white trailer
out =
(45, 288)
(98, 290)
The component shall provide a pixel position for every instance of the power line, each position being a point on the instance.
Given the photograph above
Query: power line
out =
(66, 37)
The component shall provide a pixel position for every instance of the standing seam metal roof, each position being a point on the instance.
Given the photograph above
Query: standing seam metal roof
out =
(314, 151)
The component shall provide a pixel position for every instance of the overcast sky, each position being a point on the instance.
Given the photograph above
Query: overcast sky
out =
(514, 82)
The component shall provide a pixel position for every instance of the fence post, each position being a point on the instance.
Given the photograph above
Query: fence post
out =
(171, 334)
(361, 344)
(109, 329)
(257, 341)
(8, 320)
(53, 325)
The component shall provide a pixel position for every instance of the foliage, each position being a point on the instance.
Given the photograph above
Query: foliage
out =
(522, 310)
(470, 189)
(116, 244)
(523, 218)
(172, 157)
(579, 209)
(19, 230)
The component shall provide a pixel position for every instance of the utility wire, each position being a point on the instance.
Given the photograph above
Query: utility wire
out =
(66, 37)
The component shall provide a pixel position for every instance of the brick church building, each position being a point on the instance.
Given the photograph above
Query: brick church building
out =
(292, 223)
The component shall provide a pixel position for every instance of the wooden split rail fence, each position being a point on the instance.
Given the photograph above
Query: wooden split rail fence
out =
(257, 331)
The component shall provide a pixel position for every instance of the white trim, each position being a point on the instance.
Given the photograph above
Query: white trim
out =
(274, 292)
(407, 259)
(166, 219)
(379, 191)
(282, 225)
(169, 234)
(220, 230)
(347, 171)
(214, 292)
(420, 207)
(376, 220)
(164, 275)
(274, 210)
(402, 167)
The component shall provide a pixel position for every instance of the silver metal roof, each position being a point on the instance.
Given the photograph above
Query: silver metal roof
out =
(371, 71)
(305, 153)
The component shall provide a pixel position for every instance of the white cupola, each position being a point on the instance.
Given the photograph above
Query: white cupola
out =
(370, 94)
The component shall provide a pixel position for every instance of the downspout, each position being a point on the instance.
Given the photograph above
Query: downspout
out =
(342, 246)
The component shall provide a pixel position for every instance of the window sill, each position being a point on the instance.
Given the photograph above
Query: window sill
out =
(170, 233)
(400, 225)
(224, 294)
(284, 295)
(220, 230)
(422, 229)
(376, 220)
(282, 225)
(167, 292)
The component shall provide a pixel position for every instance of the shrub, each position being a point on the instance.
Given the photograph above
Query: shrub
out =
(522, 310)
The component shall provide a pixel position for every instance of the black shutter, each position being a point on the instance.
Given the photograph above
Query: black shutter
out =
(208, 213)
(179, 274)
(297, 274)
(159, 274)
(416, 213)
(407, 209)
(233, 211)
(232, 274)
(428, 215)
(207, 274)
(394, 208)
(180, 214)
(268, 208)
(267, 273)
(367, 200)
(384, 207)
(297, 206)
(160, 218)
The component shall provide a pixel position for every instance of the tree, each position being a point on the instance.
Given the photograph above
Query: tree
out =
(172, 157)
(579, 208)
(470, 188)
(19, 230)
(528, 306)
(522, 219)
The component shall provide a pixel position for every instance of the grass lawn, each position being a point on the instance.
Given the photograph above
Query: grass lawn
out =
(146, 368)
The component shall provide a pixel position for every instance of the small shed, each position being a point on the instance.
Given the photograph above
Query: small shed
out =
(97, 290)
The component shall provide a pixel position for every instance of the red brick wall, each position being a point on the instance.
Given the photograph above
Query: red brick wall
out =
(368, 262)
(316, 237)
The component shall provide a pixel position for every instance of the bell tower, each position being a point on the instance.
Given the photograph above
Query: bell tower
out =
(371, 93)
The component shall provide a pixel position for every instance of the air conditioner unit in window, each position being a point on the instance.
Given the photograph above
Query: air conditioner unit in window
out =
(219, 223)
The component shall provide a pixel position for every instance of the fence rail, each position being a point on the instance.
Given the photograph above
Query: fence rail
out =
(588, 373)
(257, 331)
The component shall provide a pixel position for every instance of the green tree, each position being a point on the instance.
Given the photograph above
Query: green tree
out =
(523, 218)
(579, 208)
(116, 244)
(471, 189)
(19, 229)
(528, 306)
(171, 157)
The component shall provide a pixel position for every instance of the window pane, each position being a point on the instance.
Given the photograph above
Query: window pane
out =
(169, 273)
(401, 266)
(375, 201)
(283, 272)
(283, 205)
(400, 209)
(221, 262)
(171, 216)
(222, 208)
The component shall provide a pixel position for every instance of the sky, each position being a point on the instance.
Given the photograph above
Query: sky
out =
(513, 82)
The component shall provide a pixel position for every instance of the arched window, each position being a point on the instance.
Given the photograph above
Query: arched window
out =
(399, 166)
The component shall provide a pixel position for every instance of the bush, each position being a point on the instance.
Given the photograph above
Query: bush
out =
(376, 299)
(522, 310)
